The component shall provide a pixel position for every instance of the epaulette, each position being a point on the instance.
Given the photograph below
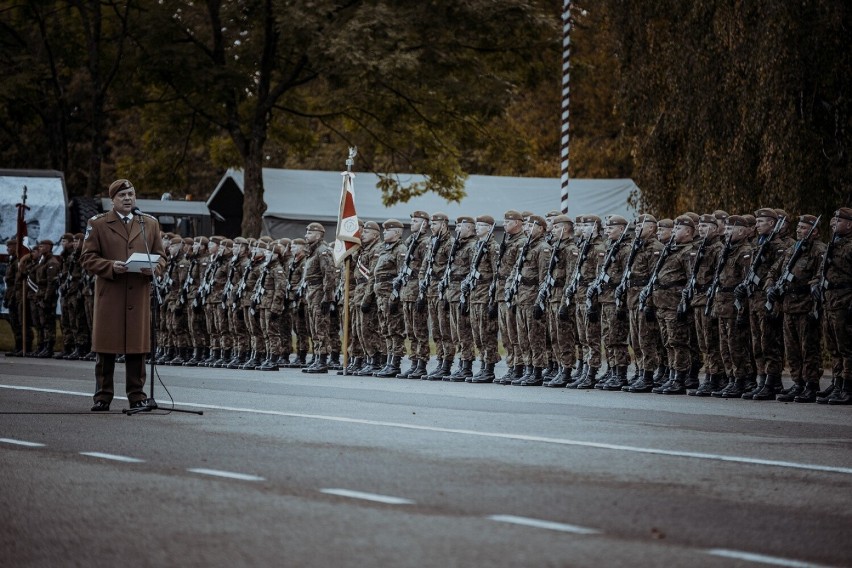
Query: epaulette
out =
(99, 215)
(149, 215)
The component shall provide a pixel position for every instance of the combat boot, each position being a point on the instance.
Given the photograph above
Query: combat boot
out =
(224, 357)
(734, 389)
(589, 380)
(284, 359)
(788, 395)
(771, 387)
(661, 375)
(644, 384)
(605, 378)
(463, 371)
(270, 364)
(252, 362)
(843, 395)
(691, 381)
(677, 386)
(507, 377)
(824, 394)
(300, 360)
(618, 380)
(551, 371)
(479, 372)
(334, 362)
(320, 367)
(66, 351)
(658, 389)
(429, 376)
(76, 353)
(384, 367)
(638, 374)
(576, 380)
(237, 360)
(486, 376)
(751, 383)
(354, 364)
(559, 380)
(445, 371)
(536, 378)
(578, 370)
(705, 388)
(754, 388)
(193, 360)
(166, 355)
(809, 394)
(391, 369)
(528, 372)
(181, 356)
(407, 373)
(419, 371)
(449, 375)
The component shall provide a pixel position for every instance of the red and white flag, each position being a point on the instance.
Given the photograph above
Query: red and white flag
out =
(348, 236)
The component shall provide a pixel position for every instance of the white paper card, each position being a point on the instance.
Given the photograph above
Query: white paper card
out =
(139, 260)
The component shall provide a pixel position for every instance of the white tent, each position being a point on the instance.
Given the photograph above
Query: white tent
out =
(297, 197)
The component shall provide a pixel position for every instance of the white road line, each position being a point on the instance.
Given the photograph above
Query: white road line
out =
(112, 457)
(228, 474)
(503, 435)
(21, 443)
(368, 496)
(760, 558)
(538, 523)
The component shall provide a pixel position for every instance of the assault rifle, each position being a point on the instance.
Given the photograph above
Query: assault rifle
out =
(472, 279)
(822, 284)
(229, 281)
(184, 291)
(207, 280)
(445, 279)
(688, 292)
(621, 289)
(405, 270)
(241, 286)
(492, 288)
(776, 292)
(714, 285)
(545, 288)
(751, 279)
(602, 276)
(574, 283)
(512, 287)
(426, 281)
(649, 287)
(259, 286)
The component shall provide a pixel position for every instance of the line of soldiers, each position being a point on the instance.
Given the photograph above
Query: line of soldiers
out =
(573, 302)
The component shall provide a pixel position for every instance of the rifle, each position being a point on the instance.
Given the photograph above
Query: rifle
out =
(649, 287)
(602, 276)
(545, 288)
(445, 279)
(574, 283)
(751, 278)
(714, 285)
(512, 287)
(187, 283)
(779, 287)
(689, 291)
(472, 279)
(426, 281)
(229, 281)
(259, 288)
(238, 295)
(822, 284)
(405, 270)
(206, 280)
(492, 289)
(621, 289)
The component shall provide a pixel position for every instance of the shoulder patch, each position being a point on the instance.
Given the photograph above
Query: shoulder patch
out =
(88, 230)
(99, 215)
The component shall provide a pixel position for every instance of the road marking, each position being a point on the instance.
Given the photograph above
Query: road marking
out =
(537, 523)
(368, 496)
(112, 457)
(228, 474)
(21, 443)
(500, 435)
(763, 559)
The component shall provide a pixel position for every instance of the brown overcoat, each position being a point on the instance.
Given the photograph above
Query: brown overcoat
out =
(122, 313)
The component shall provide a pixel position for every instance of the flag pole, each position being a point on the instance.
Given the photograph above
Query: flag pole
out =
(20, 248)
(350, 161)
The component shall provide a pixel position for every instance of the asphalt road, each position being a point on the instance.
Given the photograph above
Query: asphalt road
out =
(289, 469)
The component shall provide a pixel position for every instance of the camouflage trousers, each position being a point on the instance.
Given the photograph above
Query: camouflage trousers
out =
(589, 334)
(270, 327)
(300, 327)
(18, 328)
(676, 337)
(237, 327)
(735, 345)
(318, 324)
(707, 331)
(220, 319)
(334, 330)
(484, 333)
(461, 332)
(367, 329)
(255, 335)
(214, 335)
(47, 322)
(563, 336)
(355, 347)
(766, 338)
(509, 334)
(531, 336)
(803, 346)
(614, 333)
(176, 327)
(439, 324)
(649, 338)
(67, 314)
(837, 329)
(416, 330)
(392, 327)
(197, 322)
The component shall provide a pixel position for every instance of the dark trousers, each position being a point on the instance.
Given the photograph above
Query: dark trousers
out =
(104, 370)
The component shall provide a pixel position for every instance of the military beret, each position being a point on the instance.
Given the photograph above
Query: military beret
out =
(302, 242)
(750, 220)
(67, 237)
(392, 224)
(645, 218)
(525, 214)
(736, 221)
(204, 241)
(485, 219)
(464, 219)
(538, 220)
(119, 185)
(420, 215)
(217, 239)
(665, 223)
(720, 215)
(440, 217)
(844, 213)
(694, 217)
(252, 241)
(616, 220)
(685, 220)
(227, 243)
(808, 219)
(588, 219)
(266, 238)
(766, 212)
(240, 241)
(188, 241)
(47, 242)
(553, 213)
(12, 241)
(261, 245)
(781, 213)
(176, 241)
(707, 218)
(512, 215)
(316, 227)
(563, 219)
(370, 225)
(284, 241)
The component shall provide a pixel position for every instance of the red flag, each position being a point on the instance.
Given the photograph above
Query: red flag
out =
(348, 236)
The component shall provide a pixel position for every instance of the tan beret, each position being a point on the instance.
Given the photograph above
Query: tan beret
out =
(766, 212)
(188, 241)
(538, 220)
(67, 237)
(485, 219)
(119, 185)
(266, 238)
(736, 221)
(176, 241)
(665, 223)
(844, 213)
(645, 218)
(720, 215)
(685, 220)
(217, 239)
(616, 220)
(464, 219)
(694, 217)
(808, 219)
(708, 218)
(316, 227)
(589, 219)
(563, 219)
(440, 217)
(284, 241)
(750, 220)
(781, 213)
(525, 214)
(204, 241)
(78, 236)
(227, 243)
(241, 241)
(420, 215)
(552, 213)
(12, 241)
(371, 225)
(392, 224)
(47, 242)
(512, 215)
(302, 242)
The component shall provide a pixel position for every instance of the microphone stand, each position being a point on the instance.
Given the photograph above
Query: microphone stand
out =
(151, 403)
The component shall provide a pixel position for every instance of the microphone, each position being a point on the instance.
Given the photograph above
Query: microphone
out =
(138, 212)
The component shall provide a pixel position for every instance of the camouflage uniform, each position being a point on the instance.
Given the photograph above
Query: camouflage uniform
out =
(390, 259)
(462, 334)
(217, 313)
(563, 332)
(66, 299)
(46, 277)
(320, 277)
(483, 327)
(10, 299)
(236, 316)
(506, 314)
(23, 299)
(416, 323)
(707, 326)
(439, 316)
(614, 328)
(367, 322)
(589, 328)
(250, 315)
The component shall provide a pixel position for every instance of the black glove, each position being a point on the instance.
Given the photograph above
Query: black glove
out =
(564, 312)
(773, 295)
(538, 313)
(446, 305)
(590, 293)
(681, 314)
(465, 287)
(240, 315)
(393, 307)
(593, 315)
(366, 306)
(325, 308)
(620, 291)
(741, 292)
(274, 316)
(492, 311)
(650, 314)
(420, 306)
(621, 315)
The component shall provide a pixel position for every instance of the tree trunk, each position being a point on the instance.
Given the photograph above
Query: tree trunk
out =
(253, 204)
